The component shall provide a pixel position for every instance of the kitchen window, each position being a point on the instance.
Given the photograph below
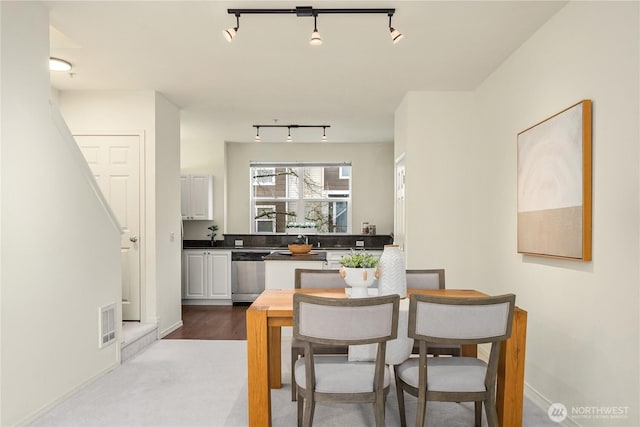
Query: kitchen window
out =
(310, 195)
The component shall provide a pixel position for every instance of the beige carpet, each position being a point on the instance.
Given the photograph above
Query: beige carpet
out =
(203, 383)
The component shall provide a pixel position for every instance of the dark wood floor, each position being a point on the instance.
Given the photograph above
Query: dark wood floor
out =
(205, 322)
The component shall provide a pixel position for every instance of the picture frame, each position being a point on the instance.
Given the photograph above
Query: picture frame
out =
(554, 199)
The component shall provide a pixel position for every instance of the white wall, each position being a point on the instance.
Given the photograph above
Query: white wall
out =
(583, 323)
(582, 345)
(150, 114)
(433, 131)
(168, 242)
(203, 151)
(372, 178)
(60, 250)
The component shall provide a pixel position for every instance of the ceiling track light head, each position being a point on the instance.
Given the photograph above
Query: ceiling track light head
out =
(230, 32)
(396, 35)
(316, 40)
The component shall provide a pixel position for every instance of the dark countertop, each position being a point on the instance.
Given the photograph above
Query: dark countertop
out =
(288, 256)
(206, 244)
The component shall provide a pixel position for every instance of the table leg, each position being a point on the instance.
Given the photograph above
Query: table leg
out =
(469, 350)
(275, 357)
(259, 405)
(510, 384)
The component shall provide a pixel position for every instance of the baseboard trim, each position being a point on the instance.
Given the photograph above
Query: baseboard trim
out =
(46, 408)
(170, 329)
(206, 302)
(543, 403)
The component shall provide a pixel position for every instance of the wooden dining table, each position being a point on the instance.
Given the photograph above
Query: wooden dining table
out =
(273, 309)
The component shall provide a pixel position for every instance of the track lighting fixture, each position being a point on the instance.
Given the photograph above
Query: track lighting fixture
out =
(289, 127)
(230, 32)
(396, 35)
(308, 11)
(315, 36)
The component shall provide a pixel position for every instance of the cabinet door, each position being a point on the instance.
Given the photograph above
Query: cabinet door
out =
(220, 274)
(185, 194)
(201, 197)
(196, 282)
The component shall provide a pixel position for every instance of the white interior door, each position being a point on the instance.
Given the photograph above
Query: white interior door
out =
(400, 203)
(115, 162)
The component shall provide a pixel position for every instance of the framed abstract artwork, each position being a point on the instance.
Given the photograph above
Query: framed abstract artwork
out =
(554, 185)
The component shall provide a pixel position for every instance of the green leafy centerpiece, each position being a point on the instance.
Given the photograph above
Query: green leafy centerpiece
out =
(359, 270)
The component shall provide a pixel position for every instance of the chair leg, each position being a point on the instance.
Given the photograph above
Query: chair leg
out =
(294, 357)
(422, 409)
(478, 413)
(378, 408)
(492, 413)
(300, 409)
(309, 409)
(400, 394)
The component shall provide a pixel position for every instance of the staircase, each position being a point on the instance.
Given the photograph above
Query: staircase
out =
(136, 337)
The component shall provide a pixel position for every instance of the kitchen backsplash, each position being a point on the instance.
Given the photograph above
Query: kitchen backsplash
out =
(282, 240)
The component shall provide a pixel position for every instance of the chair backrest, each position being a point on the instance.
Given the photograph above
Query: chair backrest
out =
(425, 279)
(325, 279)
(345, 320)
(440, 319)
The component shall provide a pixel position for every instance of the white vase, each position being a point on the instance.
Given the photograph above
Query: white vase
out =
(359, 279)
(393, 276)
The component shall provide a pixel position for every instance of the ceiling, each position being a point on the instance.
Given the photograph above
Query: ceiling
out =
(354, 81)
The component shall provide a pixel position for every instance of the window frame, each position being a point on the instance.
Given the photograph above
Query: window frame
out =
(331, 197)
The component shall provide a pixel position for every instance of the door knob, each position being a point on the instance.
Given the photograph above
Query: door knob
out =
(133, 238)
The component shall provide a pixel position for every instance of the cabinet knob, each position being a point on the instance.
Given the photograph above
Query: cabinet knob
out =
(133, 238)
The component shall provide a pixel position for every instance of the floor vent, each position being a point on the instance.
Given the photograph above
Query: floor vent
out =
(107, 325)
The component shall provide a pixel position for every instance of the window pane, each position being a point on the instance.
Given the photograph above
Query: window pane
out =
(313, 180)
(329, 217)
(270, 182)
(265, 226)
(336, 181)
(292, 182)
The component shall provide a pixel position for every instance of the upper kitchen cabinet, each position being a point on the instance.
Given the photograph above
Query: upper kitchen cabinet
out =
(196, 196)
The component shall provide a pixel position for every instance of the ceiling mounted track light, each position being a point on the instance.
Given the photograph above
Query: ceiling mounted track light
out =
(396, 35)
(316, 40)
(230, 33)
(308, 11)
(289, 127)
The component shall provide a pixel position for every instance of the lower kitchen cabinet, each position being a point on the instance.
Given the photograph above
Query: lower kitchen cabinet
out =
(206, 275)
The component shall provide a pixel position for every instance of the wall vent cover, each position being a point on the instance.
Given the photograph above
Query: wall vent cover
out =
(107, 325)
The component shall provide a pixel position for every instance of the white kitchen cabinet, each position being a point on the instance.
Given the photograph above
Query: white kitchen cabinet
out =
(206, 275)
(196, 196)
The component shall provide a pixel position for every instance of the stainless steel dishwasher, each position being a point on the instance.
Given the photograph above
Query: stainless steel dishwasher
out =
(247, 275)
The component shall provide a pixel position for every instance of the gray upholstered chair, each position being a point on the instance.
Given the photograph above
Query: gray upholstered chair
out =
(425, 279)
(342, 321)
(450, 320)
(319, 279)
(431, 279)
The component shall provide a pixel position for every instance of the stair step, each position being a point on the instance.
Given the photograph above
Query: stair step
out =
(136, 337)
